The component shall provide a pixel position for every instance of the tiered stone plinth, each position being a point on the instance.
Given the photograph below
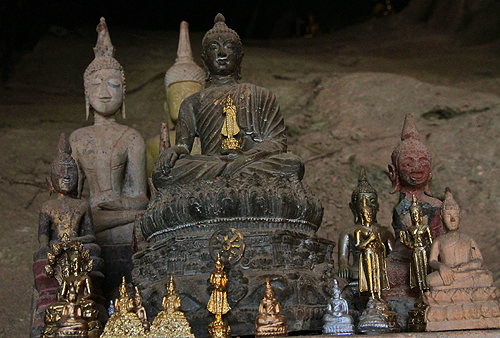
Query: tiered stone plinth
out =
(462, 309)
(280, 244)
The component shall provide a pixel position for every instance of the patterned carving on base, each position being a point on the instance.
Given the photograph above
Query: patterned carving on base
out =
(461, 309)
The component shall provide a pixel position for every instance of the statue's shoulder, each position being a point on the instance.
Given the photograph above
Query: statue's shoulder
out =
(81, 134)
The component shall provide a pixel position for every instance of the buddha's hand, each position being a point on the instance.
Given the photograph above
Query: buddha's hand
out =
(446, 274)
(344, 270)
(168, 157)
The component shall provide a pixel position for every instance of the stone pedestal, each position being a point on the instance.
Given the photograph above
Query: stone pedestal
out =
(287, 252)
(462, 309)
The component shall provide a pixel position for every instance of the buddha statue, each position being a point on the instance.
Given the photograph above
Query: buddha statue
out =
(455, 256)
(112, 157)
(218, 304)
(71, 323)
(410, 173)
(140, 310)
(372, 263)
(270, 322)
(418, 238)
(70, 263)
(171, 321)
(372, 321)
(337, 320)
(66, 215)
(243, 182)
(372, 258)
(183, 79)
(124, 323)
(259, 130)
(348, 255)
(461, 295)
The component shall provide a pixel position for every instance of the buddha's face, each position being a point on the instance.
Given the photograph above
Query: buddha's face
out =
(105, 90)
(367, 207)
(414, 168)
(269, 293)
(416, 216)
(451, 218)
(176, 93)
(65, 178)
(75, 265)
(222, 56)
(367, 214)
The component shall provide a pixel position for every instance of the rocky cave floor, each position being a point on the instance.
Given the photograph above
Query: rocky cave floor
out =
(344, 96)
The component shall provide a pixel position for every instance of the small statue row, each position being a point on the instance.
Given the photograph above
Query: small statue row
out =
(129, 317)
(458, 294)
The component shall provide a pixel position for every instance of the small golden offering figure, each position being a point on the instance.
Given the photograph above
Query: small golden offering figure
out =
(72, 323)
(171, 322)
(218, 302)
(270, 321)
(372, 263)
(418, 238)
(124, 323)
(140, 310)
(230, 128)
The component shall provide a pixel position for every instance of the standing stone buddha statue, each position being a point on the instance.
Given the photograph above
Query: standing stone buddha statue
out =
(112, 157)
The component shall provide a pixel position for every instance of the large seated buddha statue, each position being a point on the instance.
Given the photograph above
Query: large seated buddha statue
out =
(241, 197)
(462, 295)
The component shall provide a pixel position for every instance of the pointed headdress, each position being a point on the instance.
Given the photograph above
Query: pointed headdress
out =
(184, 68)
(449, 202)
(220, 29)
(104, 59)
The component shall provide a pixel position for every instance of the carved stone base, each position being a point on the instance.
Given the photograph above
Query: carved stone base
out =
(297, 263)
(462, 309)
(416, 320)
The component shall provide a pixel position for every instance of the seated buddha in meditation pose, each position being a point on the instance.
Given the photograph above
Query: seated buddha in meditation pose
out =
(455, 256)
(240, 126)
(270, 321)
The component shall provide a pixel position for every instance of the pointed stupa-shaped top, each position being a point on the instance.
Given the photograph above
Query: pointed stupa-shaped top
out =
(449, 202)
(410, 130)
(103, 47)
(184, 68)
(363, 187)
(64, 154)
(63, 147)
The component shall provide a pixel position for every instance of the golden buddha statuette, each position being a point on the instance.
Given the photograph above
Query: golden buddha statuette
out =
(171, 321)
(218, 304)
(124, 323)
(270, 322)
(74, 314)
(230, 128)
(418, 238)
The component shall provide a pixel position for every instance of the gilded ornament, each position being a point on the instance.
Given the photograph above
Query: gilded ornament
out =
(270, 322)
(171, 321)
(218, 304)
(230, 128)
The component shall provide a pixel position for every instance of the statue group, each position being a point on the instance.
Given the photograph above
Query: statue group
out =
(229, 210)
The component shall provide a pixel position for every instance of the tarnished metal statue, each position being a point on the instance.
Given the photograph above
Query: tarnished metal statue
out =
(347, 252)
(171, 321)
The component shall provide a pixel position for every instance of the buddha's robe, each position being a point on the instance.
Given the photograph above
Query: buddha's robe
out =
(261, 136)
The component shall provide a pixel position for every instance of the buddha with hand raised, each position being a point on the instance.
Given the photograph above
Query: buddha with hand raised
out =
(256, 142)
(112, 157)
(347, 253)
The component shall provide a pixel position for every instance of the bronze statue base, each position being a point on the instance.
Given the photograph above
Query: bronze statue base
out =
(285, 251)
